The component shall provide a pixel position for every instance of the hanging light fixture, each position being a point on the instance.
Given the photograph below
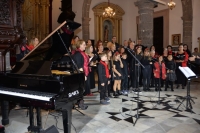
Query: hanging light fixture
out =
(109, 12)
(171, 4)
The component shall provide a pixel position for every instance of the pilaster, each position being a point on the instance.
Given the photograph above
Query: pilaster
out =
(85, 26)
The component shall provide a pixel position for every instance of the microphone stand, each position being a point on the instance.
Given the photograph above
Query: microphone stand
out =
(159, 84)
(76, 67)
(137, 116)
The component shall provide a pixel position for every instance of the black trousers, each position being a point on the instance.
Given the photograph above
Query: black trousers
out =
(92, 78)
(181, 79)
(158, 83)
(87, 85)
(152, 78)
(103, 90)
(167, 82)
(136, 76)
(124, 83)
(146, 73)
(109, 88)
(140, 79)
(132, 77)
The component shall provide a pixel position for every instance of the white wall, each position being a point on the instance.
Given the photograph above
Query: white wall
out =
(129, 18)
(175, 21)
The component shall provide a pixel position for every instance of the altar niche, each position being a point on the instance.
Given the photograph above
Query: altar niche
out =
(107, 31)
(112, 25)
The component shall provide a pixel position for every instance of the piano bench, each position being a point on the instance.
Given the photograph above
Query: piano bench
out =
(2, 129)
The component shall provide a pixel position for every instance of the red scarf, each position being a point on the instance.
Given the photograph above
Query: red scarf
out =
(86, 62)
(106, 67)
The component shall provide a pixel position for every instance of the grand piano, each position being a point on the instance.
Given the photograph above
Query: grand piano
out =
(45, 78)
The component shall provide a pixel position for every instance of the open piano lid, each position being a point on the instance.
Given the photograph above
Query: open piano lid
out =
(38, 61)
(56, 49)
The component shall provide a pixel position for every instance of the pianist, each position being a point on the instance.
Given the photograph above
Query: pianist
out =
(33, 43)
(22, 49)
(82, 61)
(25, 48)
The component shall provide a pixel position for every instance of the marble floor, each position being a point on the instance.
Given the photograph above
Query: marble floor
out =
(155, 117)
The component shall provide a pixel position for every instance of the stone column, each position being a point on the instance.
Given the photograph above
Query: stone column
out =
(86, 29)
(187, 22)
(145, 10)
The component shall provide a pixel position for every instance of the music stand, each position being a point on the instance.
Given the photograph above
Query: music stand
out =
(189, 74)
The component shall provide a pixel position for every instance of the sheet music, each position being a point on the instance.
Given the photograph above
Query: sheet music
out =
(187, 72)
(90, 59)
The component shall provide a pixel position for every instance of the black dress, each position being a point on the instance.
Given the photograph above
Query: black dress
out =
(118, 68)
(165, 58)
(110, 70)
(181, 79)
(92, 77)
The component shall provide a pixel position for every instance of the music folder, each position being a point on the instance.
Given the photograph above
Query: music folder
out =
(94, 58)
(187, 72)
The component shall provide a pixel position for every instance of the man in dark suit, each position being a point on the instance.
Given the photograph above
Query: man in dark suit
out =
(125, 45)
(195, 61)
(139, 43)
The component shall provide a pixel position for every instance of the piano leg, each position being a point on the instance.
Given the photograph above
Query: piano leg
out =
(39, 118)
(67, 117)
(31, 118)
(32, 127)
(5, 112)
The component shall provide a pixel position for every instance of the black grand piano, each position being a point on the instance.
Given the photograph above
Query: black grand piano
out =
(44, 79)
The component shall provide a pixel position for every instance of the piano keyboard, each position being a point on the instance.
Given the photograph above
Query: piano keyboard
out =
(26, 94)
